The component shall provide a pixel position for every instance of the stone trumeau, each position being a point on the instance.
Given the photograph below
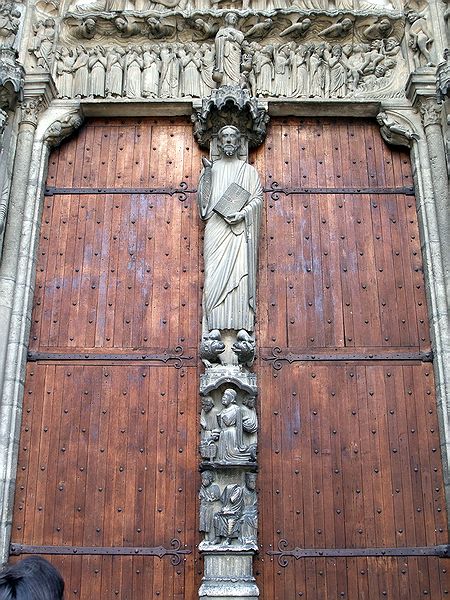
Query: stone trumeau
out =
(231, 65)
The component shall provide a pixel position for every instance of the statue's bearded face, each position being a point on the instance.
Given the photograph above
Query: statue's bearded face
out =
(229, 141)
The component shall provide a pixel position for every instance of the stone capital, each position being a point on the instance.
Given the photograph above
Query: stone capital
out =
(430, 111)
(39, 91)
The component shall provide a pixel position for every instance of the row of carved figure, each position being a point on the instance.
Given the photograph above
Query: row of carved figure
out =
(144, 5)
(176, 71)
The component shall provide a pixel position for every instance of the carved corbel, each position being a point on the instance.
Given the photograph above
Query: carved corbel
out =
(230, 105)
(62, 128)
(395, 129)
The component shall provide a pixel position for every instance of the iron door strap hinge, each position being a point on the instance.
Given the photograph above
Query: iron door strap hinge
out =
(283, 553)
(277, 356)
(181, 191)
(173, 356)
(175, 551)
(276, 189)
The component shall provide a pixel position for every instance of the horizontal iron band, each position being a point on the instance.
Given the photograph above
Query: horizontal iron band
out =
(19, 549)
(175, 356)
(73, 191)
(404, 191)
(278, 356)
(443, 551)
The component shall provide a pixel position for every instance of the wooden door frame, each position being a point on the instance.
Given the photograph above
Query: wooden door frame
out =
(60, 120)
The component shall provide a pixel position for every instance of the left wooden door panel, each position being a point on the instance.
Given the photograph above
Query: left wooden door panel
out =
(107, 455)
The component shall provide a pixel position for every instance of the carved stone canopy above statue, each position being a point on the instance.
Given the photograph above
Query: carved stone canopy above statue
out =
(230, 105)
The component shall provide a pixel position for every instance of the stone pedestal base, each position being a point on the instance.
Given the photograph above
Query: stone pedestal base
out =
(228, 574)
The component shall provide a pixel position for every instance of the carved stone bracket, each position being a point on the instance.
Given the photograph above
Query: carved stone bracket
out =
(11, 78)
(62, 128)
(230, 105)
(394, 129)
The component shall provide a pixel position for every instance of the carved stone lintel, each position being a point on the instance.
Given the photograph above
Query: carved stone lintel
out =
(11, 78)
(430, 111)
(62, 128)
(393, 131)
(230, 105)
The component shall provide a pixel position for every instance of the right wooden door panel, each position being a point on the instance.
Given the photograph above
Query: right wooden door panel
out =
(349, 445)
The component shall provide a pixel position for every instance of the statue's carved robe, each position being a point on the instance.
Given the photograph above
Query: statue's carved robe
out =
(230, 251)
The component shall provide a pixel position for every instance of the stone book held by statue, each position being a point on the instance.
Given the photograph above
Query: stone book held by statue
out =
(233, 200)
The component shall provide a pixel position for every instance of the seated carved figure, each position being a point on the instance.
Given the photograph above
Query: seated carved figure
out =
(227, 522)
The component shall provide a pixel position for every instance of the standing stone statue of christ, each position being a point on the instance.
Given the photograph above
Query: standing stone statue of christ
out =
(230, 199)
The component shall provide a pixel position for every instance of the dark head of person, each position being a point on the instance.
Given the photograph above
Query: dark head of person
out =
(33, 578)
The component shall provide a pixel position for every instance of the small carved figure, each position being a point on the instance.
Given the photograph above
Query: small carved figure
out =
(125, 28)
(9, 24)
(419, 39)
(65, 60)
(318, 72)
(158, 29)
(227, 522)
(204, 30)
(282, 62)
(132, 72)
(244, 347)
(150, 72)
(97, 68)
(168, 82)
(81, 70)
(250, 424)
(378, 30)
(190, 80)
(209, 496)
(228, 45)
(249, 519)
(209, 431)
(338, 72)
(206, 69)
(210, 347)
(230, 446)
(372, 58)
(264, 71)
(231, 240)
(260, 29)
(86, 29)
(300, 70)
(336, 30)
(114, 72)
(299, 28)
(42, 42)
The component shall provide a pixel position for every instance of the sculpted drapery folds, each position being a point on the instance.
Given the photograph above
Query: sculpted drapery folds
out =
(231, 242)
(228, 45)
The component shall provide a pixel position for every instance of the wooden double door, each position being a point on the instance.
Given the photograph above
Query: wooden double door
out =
(351, 496)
